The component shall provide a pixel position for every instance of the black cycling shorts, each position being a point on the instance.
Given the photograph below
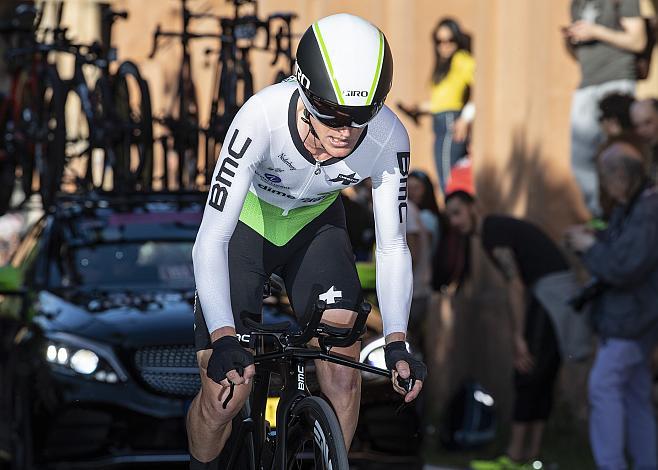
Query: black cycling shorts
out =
(318, 262)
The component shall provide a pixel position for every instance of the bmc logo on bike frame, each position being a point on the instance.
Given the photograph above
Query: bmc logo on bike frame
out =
(218, 193)
(403, 165)
(301, 384)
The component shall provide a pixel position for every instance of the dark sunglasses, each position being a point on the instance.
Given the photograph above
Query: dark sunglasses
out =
(337, 116)
(439, 41)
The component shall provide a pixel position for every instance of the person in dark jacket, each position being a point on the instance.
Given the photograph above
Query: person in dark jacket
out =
(624, 259)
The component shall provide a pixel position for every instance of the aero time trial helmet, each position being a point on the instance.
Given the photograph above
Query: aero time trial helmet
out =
(344, 70)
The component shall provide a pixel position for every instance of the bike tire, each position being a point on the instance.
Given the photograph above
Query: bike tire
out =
(135, 150)
(52, 121)
(245, 459)
(313, 422)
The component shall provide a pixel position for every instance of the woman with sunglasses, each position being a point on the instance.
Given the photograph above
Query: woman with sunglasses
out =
(451, 93)
(274, 205)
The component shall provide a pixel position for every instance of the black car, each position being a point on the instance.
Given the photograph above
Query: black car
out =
(97, 358)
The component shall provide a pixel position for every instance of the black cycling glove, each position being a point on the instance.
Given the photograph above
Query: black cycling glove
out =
(227, 355)
(397, 351)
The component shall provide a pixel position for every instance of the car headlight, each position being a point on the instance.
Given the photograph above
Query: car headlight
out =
(373, 355)
(73, 355)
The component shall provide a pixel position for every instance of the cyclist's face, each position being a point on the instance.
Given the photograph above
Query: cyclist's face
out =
(461, 216)
(339, 142)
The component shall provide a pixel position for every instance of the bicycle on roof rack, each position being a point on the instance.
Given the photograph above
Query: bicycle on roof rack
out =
(307, 430)
(113, 126)
(182, 117)
(112, 131)
(32, 129)
(233, 80)
(232, 85)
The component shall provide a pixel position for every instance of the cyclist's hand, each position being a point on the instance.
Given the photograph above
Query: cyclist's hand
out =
(404, 365)
(230, 362)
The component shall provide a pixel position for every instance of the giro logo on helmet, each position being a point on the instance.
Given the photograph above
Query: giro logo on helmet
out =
(363, 93)
(301, 78)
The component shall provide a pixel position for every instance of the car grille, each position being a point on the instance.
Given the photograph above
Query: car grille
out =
(169, 370)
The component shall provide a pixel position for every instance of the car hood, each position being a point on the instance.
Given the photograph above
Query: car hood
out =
(168, 321)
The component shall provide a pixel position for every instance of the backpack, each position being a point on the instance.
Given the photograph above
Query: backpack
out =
(470, 419)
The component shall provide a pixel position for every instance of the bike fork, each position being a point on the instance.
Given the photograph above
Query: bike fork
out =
(294, 389)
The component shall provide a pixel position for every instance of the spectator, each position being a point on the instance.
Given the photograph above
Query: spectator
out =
(419, 241)
(530, 261)
(624, 259)
(603, 36)
(615, 114)
(450, 101)
(421, 193)
(644, 114)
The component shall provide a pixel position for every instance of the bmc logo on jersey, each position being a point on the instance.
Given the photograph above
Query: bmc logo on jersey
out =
(301, 78)
(363, 93)
(225, 175)
(272, 178)
(403, 165)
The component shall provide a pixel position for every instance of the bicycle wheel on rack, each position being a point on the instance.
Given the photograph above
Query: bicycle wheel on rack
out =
(132, 111)
(7, 162)
(185, 130)
(85, 164)
(23, 127)
(314, 437)
(50, 145)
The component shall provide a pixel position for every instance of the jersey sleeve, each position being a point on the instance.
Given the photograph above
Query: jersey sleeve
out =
(246, 142)
(629, 9)
(393, 259)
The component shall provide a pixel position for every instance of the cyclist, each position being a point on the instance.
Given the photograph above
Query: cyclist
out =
(274, 205)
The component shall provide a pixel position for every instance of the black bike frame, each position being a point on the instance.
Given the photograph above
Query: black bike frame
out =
(290, 363)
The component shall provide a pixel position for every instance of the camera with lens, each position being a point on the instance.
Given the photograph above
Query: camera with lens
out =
(589, 292)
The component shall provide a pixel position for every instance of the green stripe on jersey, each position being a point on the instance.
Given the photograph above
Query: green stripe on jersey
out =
(378, 71)
(325, 54)
(268, 220)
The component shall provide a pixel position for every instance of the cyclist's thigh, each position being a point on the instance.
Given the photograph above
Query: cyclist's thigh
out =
(323, 267)
(247, 260)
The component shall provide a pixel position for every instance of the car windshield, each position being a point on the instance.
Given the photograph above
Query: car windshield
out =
(138, 265)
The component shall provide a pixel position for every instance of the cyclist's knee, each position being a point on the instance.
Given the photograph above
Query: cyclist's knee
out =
(342, 379)
(211, 404)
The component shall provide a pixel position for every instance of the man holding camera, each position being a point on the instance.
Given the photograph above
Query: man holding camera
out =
(624, 259)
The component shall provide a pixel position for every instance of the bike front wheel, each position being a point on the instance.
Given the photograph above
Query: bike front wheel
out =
(314, 437)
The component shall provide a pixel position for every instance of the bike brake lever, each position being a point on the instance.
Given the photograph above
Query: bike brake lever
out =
(230, 395)
(406, 384)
